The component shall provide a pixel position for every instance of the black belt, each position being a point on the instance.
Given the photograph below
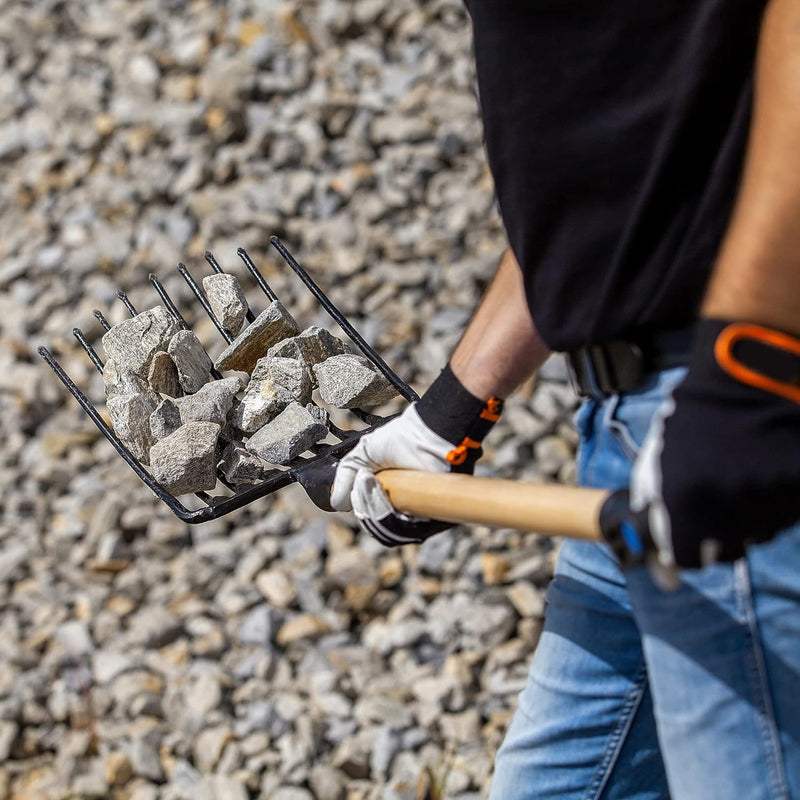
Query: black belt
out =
(618, 366)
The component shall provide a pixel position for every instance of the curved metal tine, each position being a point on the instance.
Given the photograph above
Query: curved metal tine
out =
(367, 418)
(200, 295)
(167, 300)
(98, 420)
(90, 351)
(101, 319)
(338, 432)
(254, 271)
(213, 263)
(127, 303)
(402, 387)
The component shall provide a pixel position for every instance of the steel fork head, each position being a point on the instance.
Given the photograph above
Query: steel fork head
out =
(313, 473)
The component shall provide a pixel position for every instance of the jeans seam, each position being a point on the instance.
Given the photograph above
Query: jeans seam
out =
(633, 697)
(759, 686)
(619, 431)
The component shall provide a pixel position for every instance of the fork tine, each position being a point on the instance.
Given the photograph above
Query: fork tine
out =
(101, 319)
(256, 273)
(127, 303)
(342, 321)
(167, 300)
(90, 351)
(200, 295)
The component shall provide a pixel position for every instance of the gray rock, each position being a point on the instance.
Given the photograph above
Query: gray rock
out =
(224, 787)
(290, 373)
(433, 552)
(384, 749)
(258, 626)
(312, 346)
(551, 453)
(8, 735)
(327, 783)
(108, 664)
(121, 381)
(145, 762)
(154, 627)
(351, 381)
(319, 414)
(227, 300)
(292, 793)
(133, 343)
(292, 432)
(130, 416)
(488, 627)
(239, 466)
(74, 637)
(12, 557)
(263, 400)
(208, 746)
(270, 326)
(313, 536)
(259, 716)
(191, 360)
(185, 461)
(163, 375)
(211, 403)
(166, 419)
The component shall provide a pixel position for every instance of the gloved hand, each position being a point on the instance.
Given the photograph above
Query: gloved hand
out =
(442, 432)
(720, 467)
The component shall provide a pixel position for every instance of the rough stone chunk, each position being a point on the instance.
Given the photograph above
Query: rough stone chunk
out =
(319, 414)
(290, 373)
(313, 346)
(121, 381)
(191, 360)
(351, 381)
(130, 416)
(292, 432)
(166, 419)
(133, 343)
(270, 326)
(238, 465)
(211, 403)
(163, 375)
(263, 400)
(227, 301)
(185, 461)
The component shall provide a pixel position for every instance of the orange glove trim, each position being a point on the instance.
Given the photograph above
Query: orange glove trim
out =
(458, 455)
(735, 333)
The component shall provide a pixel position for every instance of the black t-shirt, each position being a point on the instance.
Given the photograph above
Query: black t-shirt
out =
(615, 133)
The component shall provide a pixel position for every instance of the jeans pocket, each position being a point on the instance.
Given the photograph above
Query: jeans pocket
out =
(627, 430)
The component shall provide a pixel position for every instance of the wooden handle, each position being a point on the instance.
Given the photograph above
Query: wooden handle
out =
(555, 510)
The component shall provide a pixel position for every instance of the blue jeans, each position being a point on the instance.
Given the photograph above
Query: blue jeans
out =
(637, 694)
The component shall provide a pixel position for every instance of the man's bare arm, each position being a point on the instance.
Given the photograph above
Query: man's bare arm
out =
(757, 275)
(500, 347)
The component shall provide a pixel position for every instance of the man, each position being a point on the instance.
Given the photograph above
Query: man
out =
(619, 137)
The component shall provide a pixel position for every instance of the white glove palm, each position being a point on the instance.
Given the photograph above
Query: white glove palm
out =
(406, 443)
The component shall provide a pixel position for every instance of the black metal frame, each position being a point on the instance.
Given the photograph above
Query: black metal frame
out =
(275, 479)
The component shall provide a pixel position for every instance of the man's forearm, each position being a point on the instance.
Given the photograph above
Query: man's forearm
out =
(757, 275)
(500, 347)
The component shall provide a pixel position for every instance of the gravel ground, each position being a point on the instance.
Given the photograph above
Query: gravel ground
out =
(274, 653)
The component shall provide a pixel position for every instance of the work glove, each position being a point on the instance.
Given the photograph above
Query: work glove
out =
(442, 432)
(720, 466)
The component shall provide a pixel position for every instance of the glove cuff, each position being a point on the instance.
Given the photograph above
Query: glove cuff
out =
(751, 354)
(454, 413)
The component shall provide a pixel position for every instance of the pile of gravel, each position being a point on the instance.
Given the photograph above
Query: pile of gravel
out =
(274, 653)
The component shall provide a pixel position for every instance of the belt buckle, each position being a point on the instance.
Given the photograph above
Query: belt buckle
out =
(582, 375)
(604, 369)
